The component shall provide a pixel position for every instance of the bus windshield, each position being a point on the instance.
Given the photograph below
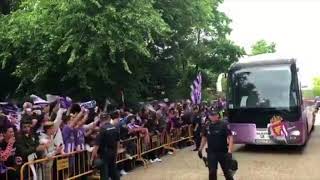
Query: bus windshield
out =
(262, 87)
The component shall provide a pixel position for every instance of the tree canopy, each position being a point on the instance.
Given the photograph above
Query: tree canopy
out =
(97, 48)
(262, 46)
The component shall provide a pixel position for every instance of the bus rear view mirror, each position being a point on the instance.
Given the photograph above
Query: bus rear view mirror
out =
(221, 81)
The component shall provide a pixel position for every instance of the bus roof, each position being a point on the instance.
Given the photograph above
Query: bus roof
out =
(262, 59)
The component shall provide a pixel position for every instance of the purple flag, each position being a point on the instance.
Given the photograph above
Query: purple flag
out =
(196, 90)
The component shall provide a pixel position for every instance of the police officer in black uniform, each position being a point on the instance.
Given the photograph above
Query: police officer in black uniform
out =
(219, 138)
(197, 127)
(106, 148)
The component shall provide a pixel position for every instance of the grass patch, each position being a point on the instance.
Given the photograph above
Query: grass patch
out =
(308, 94)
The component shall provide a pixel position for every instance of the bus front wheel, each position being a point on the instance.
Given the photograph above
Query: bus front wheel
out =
(306, 135)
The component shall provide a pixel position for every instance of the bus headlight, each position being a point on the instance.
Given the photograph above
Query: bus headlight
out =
(295, 133)
(234, 133)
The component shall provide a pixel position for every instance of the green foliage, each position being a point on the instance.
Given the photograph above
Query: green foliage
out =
(316, 86)
(97, 48)
(6, 6)
(308, 94)
(209, 95)
(262, 47)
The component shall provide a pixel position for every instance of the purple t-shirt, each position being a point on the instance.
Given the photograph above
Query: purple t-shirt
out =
(68, 135)
(132, 126)
(80, 138)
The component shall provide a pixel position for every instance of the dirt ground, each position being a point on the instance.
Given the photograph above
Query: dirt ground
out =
(255, 163)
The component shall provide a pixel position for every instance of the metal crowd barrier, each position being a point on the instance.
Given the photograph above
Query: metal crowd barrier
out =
(126, 144)
(179, 135)
(165, 140)
(76, 164)
(6, 174)
(67, 166)
(121, 156)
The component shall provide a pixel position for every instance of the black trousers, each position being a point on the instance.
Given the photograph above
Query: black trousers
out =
(131, 147)
(109, 168)
(197, 138)
(223, 160)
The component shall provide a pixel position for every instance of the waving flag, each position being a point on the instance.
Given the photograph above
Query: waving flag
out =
(196, 90)
(65, 102)
(89, 104)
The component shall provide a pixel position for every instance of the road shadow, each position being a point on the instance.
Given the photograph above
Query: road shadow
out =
(271, 149)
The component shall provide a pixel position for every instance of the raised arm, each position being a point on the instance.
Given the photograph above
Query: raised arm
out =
(57, 122)
(230, 147)
(77, 118)
(203, 143)
(91, 125)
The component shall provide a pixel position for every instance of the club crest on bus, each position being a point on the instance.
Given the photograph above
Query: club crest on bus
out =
(278, 130)
(276, 125)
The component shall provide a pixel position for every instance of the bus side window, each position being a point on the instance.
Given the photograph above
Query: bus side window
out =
(252, 100)
(243, 102)
(293, 99)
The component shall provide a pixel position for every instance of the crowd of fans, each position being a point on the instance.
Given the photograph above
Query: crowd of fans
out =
(46, 128)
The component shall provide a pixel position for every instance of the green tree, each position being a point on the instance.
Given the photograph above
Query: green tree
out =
(262, 46)
(97, 48)
(198, 43)
(316, 86)
(67, 46)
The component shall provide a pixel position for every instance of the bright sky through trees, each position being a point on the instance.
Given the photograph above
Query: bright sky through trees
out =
(291, 24)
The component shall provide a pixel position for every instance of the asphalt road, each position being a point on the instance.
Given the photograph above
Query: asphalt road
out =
(255, 163)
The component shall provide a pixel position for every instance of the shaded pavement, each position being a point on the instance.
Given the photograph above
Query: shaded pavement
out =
(255, 163)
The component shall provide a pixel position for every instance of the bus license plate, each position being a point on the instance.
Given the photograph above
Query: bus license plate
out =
(262, 135)
(263, 141)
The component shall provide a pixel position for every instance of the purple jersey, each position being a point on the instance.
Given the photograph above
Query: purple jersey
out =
(80, 138)
(132, 126)
(68, 135)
